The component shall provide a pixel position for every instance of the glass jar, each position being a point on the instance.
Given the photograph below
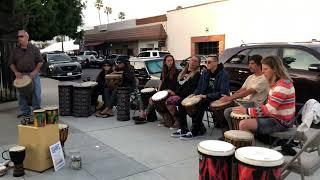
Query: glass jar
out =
(75, 160)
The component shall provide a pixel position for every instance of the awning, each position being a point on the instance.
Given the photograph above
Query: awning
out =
(93, 43)
(134, 34)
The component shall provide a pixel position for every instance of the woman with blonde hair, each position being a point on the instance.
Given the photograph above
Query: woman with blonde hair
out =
(277, 114)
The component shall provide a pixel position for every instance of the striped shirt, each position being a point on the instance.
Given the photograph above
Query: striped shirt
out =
(280, 104)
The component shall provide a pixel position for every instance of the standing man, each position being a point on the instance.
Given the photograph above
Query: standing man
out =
(26, 60)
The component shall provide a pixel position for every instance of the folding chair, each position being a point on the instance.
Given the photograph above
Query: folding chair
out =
(305, 162)
(209, 119)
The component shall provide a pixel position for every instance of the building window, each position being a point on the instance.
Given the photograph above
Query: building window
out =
(206, 48)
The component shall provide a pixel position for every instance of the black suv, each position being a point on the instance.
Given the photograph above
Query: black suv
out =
(301, 59)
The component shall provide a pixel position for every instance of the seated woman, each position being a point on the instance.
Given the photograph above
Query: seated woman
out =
(168, 82)
(106, 68)
(187, 83)
(128, 80)
(277, 115)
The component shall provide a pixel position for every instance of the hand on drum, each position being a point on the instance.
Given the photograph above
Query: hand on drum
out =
(225, 98)
(239, 110)
(18, 75)
(202, 96)
(171, 93)
(33, 74)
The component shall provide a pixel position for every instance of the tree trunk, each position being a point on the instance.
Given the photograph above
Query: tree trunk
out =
(108, 18)
(99, 19)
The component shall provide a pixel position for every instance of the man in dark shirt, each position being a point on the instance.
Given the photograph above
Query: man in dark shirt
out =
(26, 60)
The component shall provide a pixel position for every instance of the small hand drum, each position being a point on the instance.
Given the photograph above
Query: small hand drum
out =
(190, 104)
(146, 94)
(239, 138)
(159, 100)
(236, 118)
(113, 80)
(17, 155)
(218, 107)
(25, 87)
(63, 133)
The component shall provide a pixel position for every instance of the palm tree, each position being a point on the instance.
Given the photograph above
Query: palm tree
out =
(108, 10)
(122, 16)
(99, 5)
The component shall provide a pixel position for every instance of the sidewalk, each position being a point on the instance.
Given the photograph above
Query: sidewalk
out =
(112, 149)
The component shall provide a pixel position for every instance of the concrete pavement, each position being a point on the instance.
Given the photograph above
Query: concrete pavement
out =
(112, 149)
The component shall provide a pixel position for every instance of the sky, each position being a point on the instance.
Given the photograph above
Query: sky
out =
(133, 9)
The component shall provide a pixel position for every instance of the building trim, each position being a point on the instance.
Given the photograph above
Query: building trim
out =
(150, 20)
(217, 1)
(215, 38)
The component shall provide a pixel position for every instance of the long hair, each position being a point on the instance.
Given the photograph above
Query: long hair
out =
(276, 64)
(184, 71)
(166, 70)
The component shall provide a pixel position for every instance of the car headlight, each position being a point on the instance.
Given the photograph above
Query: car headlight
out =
(51, 67)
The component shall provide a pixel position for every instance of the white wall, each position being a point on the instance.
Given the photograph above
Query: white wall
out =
(244, 21)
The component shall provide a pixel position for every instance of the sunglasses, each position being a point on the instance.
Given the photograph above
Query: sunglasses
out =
(21, 36)
(209, 62)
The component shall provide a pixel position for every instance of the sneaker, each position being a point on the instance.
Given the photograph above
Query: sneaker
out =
(178, 133)
(187, 136)
(161, 124)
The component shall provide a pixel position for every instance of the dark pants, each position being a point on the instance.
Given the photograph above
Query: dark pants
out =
(97, 90)
(110, 97)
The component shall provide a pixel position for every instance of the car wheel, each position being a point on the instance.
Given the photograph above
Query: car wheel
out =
(87, 63)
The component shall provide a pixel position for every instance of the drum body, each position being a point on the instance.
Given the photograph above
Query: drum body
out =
(52, 115)
(17, 155)
(236, 118)
(39, 118)
(65, 98)
(258, 163)
(113, 80)
(123, 103)
(215, 160)
(63, 133)
(218, 107)
(82, 105)
(239, 138)
(146, 94)
(25, 87)
(190, 104)
(159, 100)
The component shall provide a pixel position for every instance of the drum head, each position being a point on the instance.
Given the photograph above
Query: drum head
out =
(189, 101)
(148, 90)
(239, 135)
(51, 108)
(219, 103)
(62, 126)
(216, 148)
(159, 95)
(259, 156)
(24, 81)
(240, 116)
(17, 148)
(113, 76)
(39, 111)
(89, 83)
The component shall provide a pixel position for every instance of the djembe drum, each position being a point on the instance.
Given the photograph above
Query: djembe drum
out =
(63, 134)
(25, 87)
(39, 118)
(236, 118)
(190, 103)
(159, 100)
(258, 163)
(114, 80)
(239, 138)
(146, 94)
(52, 115)
(215, 160)
(218, 107)
(17, 155)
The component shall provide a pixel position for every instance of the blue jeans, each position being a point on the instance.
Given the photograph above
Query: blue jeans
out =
(36, 98)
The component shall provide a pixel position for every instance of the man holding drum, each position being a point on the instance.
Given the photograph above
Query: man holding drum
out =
(213, 83)
(278, 113)
(26, 60)
(253, 92)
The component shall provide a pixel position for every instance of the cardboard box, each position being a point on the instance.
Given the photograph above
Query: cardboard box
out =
(37, 141)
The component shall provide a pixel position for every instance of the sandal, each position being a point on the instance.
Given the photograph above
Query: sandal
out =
(107, 115)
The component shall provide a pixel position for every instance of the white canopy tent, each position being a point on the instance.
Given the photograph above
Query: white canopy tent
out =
(67, 46)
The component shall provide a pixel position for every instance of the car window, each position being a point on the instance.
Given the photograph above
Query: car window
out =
(58, 58)
(264, 52)
(111, 56)
(154, 54)
(154, 66)
(162, 54)
(144, 54)
(240, 58)
(298, 59)
(81, 53)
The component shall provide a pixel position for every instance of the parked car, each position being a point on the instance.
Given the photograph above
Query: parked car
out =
(150, 54)
(146, 69)
(80, 60)
(301, 59)
(116, 57)
(202, 63)
(91, 57)
(60, 65)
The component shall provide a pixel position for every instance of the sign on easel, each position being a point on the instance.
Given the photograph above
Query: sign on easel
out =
(57, 156)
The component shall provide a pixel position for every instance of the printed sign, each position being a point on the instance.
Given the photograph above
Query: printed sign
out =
(57, 156)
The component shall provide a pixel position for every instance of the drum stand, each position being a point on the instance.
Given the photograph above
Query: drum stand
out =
(18, 170)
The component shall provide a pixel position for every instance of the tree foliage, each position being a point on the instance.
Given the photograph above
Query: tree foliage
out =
(45, 19)
(121, 16)
(108, 10)
(99, 4)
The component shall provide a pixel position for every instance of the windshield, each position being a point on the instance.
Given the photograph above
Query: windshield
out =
(162, 54)
(58, 58)
(144, 54)
(154, 66)
(317, 48)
